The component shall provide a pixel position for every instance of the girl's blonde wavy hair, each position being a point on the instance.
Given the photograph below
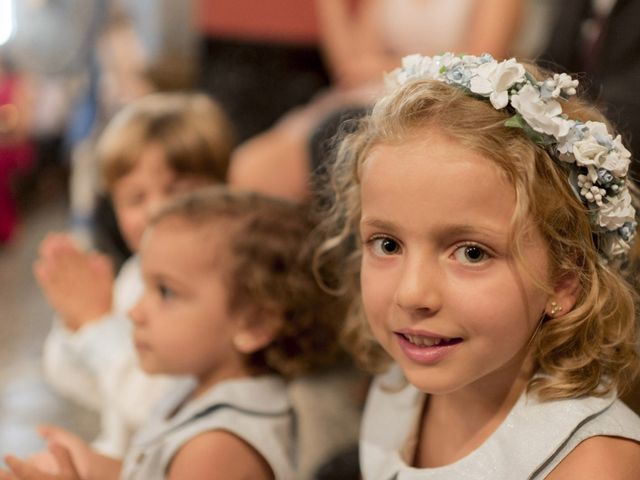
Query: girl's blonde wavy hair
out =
(590, 350)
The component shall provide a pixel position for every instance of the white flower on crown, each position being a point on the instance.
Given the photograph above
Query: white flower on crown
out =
(617, 211)
(494, 80)
(589, 190)
(618, 159)
(598, 150)
(415, 65)
(577, 131)
(589, 152)
(542, 116)
(560, 85)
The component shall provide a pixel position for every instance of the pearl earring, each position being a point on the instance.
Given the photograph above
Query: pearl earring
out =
(555, 308)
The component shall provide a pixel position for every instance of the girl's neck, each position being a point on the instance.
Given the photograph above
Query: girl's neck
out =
(454, 425)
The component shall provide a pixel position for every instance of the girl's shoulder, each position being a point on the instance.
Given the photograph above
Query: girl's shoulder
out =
(598, 457)
(601, 439)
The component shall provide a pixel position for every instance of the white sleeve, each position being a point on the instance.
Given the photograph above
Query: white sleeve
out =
(74, 361)
(66, 371)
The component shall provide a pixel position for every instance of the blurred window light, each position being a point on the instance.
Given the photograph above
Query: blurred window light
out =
(6, 20)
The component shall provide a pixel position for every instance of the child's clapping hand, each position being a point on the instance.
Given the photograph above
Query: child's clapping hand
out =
(67, 458)
(22, 470)
(77, 284)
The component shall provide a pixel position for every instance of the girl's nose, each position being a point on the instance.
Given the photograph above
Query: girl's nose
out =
(418, 289)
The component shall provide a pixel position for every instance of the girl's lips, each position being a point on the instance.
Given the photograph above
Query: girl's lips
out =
(426, 349)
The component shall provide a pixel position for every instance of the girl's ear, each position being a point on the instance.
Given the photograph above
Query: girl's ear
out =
(565, 294)
(257, 331)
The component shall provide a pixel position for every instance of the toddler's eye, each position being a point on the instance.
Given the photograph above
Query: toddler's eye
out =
(470, 254)
(165, 292)
(384, 246)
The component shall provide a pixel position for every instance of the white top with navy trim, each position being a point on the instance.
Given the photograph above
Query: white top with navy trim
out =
(256, 409)
(533, 439)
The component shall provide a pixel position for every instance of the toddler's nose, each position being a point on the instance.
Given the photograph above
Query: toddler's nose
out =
(136, 314)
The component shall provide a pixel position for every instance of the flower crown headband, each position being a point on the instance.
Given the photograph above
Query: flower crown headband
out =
(597, 163)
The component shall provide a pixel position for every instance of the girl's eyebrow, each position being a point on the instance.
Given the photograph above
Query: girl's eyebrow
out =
(466, 229)
(377, 223)
(443, 232)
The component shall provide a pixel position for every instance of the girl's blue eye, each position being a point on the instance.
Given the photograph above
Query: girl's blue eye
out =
(385, 246)
(470, 254)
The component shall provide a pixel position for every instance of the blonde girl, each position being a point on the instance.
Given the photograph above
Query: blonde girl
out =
(492, 212)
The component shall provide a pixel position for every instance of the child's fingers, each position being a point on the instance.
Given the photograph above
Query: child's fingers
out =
(65, 462)
(45, 430)
(102, 264)
(39, 269)
(50, 433)
(51, 243)
(5, 475)
(60, 246)
(45, 246)
(44, 461)
(59, 436)
(22, 470)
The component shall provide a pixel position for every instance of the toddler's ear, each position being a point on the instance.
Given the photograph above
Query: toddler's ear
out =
(566, 290)
(257, 331)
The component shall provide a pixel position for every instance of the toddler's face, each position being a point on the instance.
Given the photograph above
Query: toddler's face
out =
(182, 324)
(142, 191)
(440, 288)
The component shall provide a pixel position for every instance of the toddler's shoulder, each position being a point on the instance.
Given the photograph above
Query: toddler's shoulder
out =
(218, 453)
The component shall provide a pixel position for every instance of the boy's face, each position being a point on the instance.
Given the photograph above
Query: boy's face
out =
(440, 287)
(182, 324)
(143, 190)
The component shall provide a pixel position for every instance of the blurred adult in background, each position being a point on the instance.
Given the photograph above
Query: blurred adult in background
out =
(361, 40)
(601, 39)
(259, 58)
(16, 150)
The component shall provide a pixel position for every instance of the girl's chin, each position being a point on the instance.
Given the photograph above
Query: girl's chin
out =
(432, 383)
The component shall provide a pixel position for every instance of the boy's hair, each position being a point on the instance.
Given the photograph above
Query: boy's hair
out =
(269, 268)
(589, 350)
(191, 130)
